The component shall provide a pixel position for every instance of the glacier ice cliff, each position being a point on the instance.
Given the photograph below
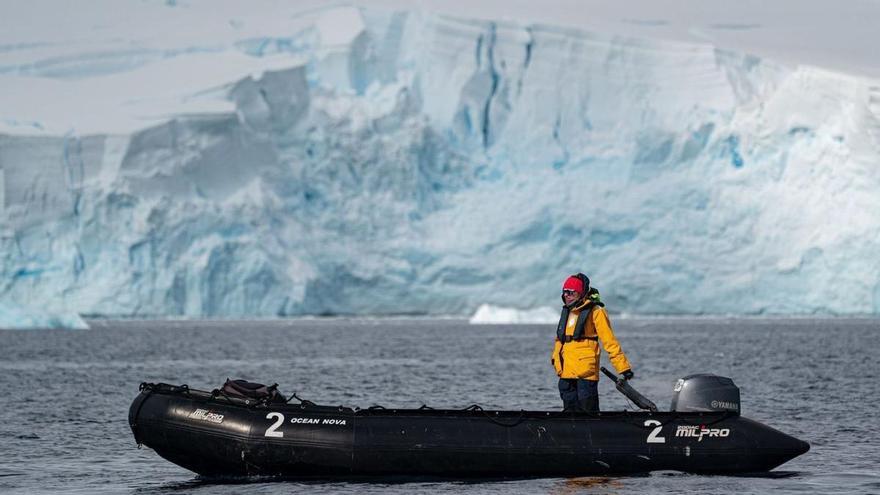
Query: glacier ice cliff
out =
(410, 163)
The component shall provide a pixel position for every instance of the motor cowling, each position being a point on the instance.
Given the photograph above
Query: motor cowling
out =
(705, 392)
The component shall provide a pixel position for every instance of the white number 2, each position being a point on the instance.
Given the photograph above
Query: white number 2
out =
(654, 437)
(279, 418)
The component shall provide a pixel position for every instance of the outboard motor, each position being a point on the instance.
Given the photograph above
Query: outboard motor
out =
(705, 393)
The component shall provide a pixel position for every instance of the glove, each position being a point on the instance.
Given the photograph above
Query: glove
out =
(628, 374)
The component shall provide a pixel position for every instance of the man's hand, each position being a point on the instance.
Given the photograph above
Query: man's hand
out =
(628, 374)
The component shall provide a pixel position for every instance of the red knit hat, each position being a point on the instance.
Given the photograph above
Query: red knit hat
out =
(574, 283)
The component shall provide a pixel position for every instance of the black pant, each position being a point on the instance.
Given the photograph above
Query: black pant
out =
(579, 395)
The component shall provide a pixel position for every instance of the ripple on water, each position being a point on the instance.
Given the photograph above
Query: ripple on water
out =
(63, 424)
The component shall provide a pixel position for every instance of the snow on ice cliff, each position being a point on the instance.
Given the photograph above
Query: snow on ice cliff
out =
(361, 161)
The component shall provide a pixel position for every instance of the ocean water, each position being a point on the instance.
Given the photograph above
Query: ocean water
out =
(65, 394)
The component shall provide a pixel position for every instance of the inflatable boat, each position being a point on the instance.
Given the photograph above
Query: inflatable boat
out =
(217, 434)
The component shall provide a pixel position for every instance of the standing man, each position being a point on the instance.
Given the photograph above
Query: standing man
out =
(582, 325)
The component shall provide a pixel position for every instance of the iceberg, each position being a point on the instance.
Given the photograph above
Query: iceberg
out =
(357, 161)
(14, 317)
(497, 315)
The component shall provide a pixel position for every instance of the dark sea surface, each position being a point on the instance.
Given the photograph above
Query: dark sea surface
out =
(65, 394)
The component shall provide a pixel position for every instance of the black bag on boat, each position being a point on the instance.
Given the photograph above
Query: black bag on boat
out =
(251, 390)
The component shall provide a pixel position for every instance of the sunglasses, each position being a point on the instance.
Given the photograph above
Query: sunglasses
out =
(569, 292)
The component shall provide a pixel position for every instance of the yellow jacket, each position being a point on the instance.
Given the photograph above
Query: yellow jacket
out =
(580, 359)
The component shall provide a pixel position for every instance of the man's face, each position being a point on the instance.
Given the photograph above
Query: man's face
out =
(570, 296)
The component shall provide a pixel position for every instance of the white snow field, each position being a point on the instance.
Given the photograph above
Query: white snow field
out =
(257, 159)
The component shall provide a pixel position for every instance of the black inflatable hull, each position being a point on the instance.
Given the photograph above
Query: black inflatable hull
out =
(223, 437)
